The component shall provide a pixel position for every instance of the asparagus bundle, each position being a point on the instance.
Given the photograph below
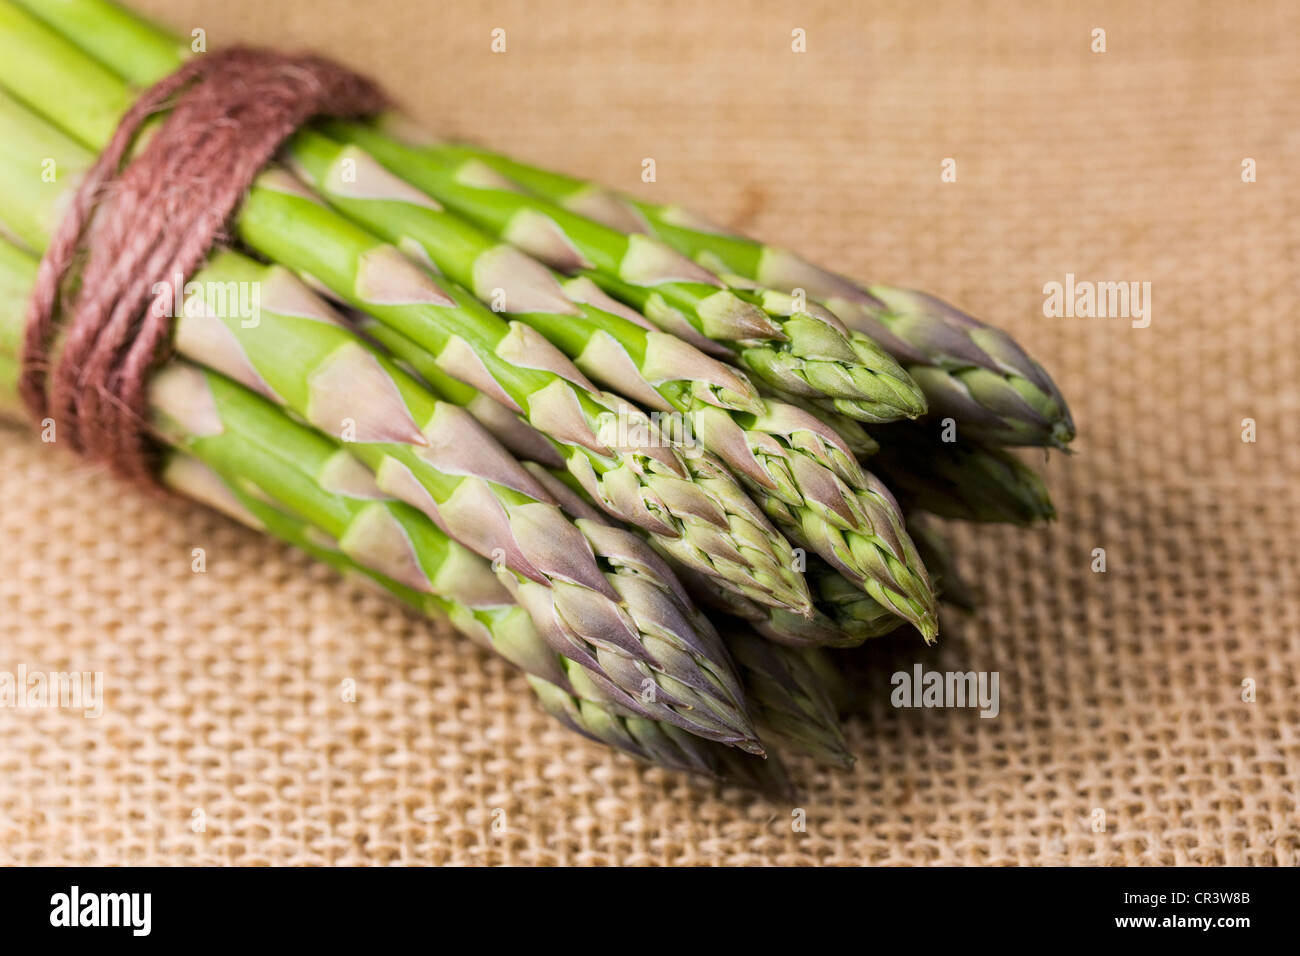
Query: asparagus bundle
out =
(689, 501)
(484, 303)
(803, 475)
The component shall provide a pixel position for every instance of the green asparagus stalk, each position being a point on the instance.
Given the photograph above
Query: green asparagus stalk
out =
(863, 538)
(691, 502)
(961, 479)
(301, 355)
(967, 369)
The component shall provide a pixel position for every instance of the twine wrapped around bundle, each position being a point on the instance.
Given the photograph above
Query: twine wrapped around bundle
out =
(144, 227)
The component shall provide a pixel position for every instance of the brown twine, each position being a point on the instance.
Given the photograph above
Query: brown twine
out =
(153, 221)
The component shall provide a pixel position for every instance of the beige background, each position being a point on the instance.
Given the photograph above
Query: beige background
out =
(1120, 691)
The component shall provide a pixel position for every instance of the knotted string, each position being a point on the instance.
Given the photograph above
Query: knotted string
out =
(137, 229)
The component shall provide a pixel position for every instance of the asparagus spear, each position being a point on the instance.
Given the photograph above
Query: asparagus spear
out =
(844, 615)
(790, 685)
(791, 701)
(863, 538)
(948, 583)
(787, 686)
(691, 502)
(961, 479)
(298, 353)
(967, 369)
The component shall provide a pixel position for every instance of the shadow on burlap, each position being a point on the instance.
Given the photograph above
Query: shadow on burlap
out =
(225, 736)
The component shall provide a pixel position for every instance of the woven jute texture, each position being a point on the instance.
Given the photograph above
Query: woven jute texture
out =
(226, 736)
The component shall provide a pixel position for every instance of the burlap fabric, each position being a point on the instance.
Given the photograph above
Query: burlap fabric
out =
(226, 736)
